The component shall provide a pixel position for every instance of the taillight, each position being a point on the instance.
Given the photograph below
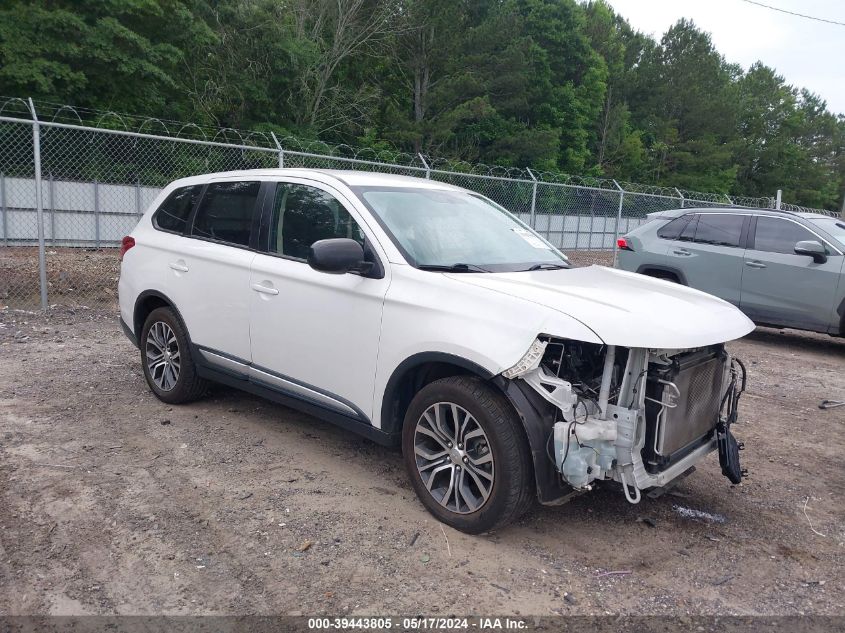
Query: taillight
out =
(622, 243)
(125, 244)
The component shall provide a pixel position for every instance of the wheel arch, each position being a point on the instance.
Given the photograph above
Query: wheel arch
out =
(646, 269)
(414, 373)
(148, 301)
(536, 416)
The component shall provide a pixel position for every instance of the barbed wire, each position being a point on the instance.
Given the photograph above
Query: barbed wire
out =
(49, 112)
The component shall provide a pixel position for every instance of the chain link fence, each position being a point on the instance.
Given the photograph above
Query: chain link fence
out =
(74, 181)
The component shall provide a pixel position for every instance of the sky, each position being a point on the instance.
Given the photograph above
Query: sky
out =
(806, 53)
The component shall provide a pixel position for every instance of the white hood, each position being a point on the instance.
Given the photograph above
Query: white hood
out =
(623, 308)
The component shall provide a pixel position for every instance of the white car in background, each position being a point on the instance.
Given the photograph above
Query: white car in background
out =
(415, 312)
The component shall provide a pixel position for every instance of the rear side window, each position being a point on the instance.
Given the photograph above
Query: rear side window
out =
(226, 212)
(672, 231)
(719, 229)
(774, 235)
(303, 215)
(173, 213)
(688, 232)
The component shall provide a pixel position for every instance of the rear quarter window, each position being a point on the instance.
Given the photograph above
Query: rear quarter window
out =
(173, 213)
(673, 229)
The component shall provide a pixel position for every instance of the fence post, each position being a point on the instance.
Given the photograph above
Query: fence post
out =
(619, 221)
(281, 151)
(3, 208)
(97, 213)
(425, 164)
(533, 199)
(138, 198)
(39, 205)
(680, 195)
(51, 194)
(778, 200)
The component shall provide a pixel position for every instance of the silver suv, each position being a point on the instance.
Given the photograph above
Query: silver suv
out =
(780, 268)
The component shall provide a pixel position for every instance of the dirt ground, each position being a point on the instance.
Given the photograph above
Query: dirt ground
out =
(114, 503)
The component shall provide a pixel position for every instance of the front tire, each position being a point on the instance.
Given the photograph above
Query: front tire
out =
(167, 361)
(466, 455)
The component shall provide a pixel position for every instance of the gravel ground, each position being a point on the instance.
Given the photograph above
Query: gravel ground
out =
(113, 503)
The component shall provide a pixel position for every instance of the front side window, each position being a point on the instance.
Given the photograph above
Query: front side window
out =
(719, 229)
(303, 215)
(456, 230)
(775, 235)
(226, 212)
(173, 213)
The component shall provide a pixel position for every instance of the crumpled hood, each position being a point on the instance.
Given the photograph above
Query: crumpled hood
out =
(623, 308)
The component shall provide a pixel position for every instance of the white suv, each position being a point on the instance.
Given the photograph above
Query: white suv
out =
(413, 311)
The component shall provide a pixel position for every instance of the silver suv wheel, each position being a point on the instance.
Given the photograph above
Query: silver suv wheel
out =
(453, 457)
(163, 357)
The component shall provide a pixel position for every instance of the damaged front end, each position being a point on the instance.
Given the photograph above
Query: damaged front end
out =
(640, 417)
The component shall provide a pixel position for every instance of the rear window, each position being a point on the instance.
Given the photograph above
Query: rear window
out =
(719, 229)
(226, 211)
(173, 213)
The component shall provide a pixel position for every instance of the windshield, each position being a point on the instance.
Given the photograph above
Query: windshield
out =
(834, 226)
(458, 231)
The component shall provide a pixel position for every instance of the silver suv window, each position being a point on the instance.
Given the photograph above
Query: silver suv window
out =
(719, 229)
(673, 230)
(775, 235)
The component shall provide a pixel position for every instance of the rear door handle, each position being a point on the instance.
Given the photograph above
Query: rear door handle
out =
(179, 266)
(681, 251)
(755, 264)
(265, 289)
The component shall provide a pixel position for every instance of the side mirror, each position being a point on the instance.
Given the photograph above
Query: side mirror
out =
(338, 256)
(813, 249)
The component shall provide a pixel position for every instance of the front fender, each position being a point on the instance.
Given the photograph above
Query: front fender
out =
(537, 417)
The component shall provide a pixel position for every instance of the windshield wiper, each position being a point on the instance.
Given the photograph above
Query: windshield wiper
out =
(547, 266)
(453, 268)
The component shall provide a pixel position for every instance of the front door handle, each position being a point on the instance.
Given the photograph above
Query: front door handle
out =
(681, 251)
(179, 266)
(264, 289)
(755, 264)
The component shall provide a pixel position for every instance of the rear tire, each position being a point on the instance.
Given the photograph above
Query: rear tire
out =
(167, 361)
(467, 455)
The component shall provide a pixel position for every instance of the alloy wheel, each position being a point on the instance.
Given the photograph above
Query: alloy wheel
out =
(453, 457)
(163, 358)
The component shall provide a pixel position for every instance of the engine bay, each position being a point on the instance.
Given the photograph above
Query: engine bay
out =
(635, 416)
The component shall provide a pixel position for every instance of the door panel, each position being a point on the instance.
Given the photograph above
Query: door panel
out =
(212, 268)
(709, 252)
(317, 335)
(782, 288)
(214, 295)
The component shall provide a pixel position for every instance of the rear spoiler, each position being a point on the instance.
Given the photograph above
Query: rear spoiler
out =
(669, 214)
